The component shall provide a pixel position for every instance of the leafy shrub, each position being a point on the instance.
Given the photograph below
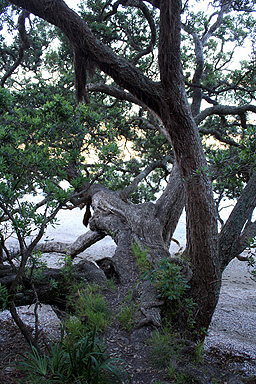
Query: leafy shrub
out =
(172, 288)
(84, 362)
(3, 296)
(67, 268)
(169, 281)
(92, 307)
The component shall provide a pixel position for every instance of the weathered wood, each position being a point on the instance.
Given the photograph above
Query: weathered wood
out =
(72, 249)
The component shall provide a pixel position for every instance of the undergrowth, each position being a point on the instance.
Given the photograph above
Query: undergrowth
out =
(126, 316)
(92, 308)
(141, 258)
(172, 289)
(81, 362)
(79, 356)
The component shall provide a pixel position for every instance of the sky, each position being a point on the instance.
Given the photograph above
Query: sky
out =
(72, 3)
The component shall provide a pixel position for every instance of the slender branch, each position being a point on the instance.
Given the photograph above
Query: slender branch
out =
(216, 25)
(72, 249)
(238, 225)
(224, 110)
(219, 137)
(126, 192)
(15, 225)
(23, 327)
(124, 95)
(120, 94)
(140, 5)
(42, 227)
(199, 56)
(23, 46)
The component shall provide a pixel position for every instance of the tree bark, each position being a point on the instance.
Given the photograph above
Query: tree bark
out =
(238, 229)
(79, 245)
(202, 240)
(170, 204)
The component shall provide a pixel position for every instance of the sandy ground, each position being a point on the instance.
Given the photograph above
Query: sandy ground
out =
(232, 331)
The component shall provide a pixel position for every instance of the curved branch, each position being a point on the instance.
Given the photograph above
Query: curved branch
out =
(224, 110)
(219, 137)
(216, 25)
(72, 249)
(110, 90)
(126, 192)
(238, 226)
(140, 5)
(124, 95)
(199, 55)
(23, 46)
(146, 13)
(82, 38)
(111, 13)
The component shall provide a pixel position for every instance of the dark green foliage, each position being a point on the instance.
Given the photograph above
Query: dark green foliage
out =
(84, 361)
(49, 112)
(173, 289)
(91, 305)
(169, 281)
(3, 297)
(232, 167)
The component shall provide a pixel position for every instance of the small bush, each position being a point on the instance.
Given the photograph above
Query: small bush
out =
(141, 258)
(84, 362)
(91, 306)
(172, 288)
(3, 296)
(126, 316)
(169, 281)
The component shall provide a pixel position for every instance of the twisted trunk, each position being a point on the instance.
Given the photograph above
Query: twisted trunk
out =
(202, 239)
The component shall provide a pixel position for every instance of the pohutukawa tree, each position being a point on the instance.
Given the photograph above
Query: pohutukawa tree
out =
(184, 93)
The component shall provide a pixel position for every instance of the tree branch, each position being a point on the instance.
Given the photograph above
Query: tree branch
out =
(140, 5)
(72, 249)
(126, 192)
(90, 48)
(120, 94)
(218, 136)
(199, 55)
(224, 110)
(23, 46)
(216, 25)
(238, 226)
(124, 95)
